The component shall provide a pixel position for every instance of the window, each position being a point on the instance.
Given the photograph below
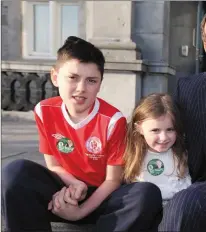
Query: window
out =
(46, 25)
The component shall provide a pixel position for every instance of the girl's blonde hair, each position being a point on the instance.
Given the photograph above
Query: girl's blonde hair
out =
(152, 106)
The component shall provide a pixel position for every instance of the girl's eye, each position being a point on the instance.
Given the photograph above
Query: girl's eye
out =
(170, 129)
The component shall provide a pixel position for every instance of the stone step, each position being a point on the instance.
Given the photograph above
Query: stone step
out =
(62, 227)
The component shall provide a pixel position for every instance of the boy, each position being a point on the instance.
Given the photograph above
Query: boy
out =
(82, 139)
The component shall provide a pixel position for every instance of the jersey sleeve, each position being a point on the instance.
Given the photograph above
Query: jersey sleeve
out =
(117, 143)
(44, 147)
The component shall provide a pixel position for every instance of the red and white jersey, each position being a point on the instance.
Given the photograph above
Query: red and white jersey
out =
(83, 149)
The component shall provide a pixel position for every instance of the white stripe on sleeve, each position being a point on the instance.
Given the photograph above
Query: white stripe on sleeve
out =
(113, 122)
(37, 109)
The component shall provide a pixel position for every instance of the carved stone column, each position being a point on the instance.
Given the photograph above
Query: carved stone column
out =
(108, 26)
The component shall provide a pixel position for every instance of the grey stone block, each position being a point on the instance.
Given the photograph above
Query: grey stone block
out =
(61, 227)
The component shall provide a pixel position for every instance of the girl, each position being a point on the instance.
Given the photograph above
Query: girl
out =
(155, 146)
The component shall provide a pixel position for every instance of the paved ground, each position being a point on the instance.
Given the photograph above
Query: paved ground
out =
(19, 137)
(19, 140)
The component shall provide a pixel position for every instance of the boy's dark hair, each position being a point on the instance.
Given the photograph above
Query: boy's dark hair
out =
(85, 52)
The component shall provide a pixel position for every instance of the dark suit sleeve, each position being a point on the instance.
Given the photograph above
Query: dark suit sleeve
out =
(176, 96)
(179, 104)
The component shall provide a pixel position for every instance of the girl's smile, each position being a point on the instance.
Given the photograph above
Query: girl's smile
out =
(159, 133)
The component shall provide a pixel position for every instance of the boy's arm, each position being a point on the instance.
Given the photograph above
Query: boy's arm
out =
(115, 148)
(113, 178)
(111, 183)
(51, 161)
(79, 186)
(54, 166)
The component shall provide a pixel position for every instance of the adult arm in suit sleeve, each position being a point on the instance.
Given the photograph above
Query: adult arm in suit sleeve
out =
(176, 96)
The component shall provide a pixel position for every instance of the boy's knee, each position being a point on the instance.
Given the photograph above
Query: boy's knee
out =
(147, 202)
(151, 195)
(148, 194)
(12, 173)
(150, 189)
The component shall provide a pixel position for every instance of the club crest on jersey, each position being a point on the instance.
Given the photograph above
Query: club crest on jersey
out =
(155, 167)
(64, 144)
(94, 145)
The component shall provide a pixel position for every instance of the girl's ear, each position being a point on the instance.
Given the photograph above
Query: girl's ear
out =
(138, 127)
(54, 77)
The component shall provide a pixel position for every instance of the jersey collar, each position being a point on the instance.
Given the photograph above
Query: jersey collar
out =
(84, 121)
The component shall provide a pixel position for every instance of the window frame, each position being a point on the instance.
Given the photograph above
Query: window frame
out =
(54, 27)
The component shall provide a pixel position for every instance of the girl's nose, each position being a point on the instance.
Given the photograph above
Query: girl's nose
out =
(163, 136)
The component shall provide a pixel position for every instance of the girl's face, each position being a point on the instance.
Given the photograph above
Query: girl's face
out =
(159, 133)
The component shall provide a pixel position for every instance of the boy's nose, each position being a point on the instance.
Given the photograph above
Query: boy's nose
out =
(81, 86)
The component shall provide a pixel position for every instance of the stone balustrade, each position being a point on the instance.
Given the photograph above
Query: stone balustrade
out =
(22, 89)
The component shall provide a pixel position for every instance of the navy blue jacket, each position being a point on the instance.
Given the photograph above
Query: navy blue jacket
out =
(191, 99)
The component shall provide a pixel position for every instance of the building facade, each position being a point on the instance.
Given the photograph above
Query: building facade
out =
(148, 45)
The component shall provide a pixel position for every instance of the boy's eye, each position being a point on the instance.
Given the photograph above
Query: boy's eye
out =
(92, 81)
(72, 77)
(155, 130)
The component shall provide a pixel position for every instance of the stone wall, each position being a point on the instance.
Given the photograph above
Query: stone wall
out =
(24, 84)
(11, 30)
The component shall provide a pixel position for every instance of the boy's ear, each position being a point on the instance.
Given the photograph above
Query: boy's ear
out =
(53, 74)
(138, 128)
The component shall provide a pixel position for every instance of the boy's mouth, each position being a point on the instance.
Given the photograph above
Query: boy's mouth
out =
(79, 99)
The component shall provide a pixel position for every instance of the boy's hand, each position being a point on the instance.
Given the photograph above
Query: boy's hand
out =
(66, 211)
(76, 191)
(58, 200)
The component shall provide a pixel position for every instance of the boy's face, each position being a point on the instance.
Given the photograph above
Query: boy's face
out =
(78, 85)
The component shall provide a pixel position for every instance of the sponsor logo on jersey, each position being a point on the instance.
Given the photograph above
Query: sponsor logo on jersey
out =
(64, 145)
